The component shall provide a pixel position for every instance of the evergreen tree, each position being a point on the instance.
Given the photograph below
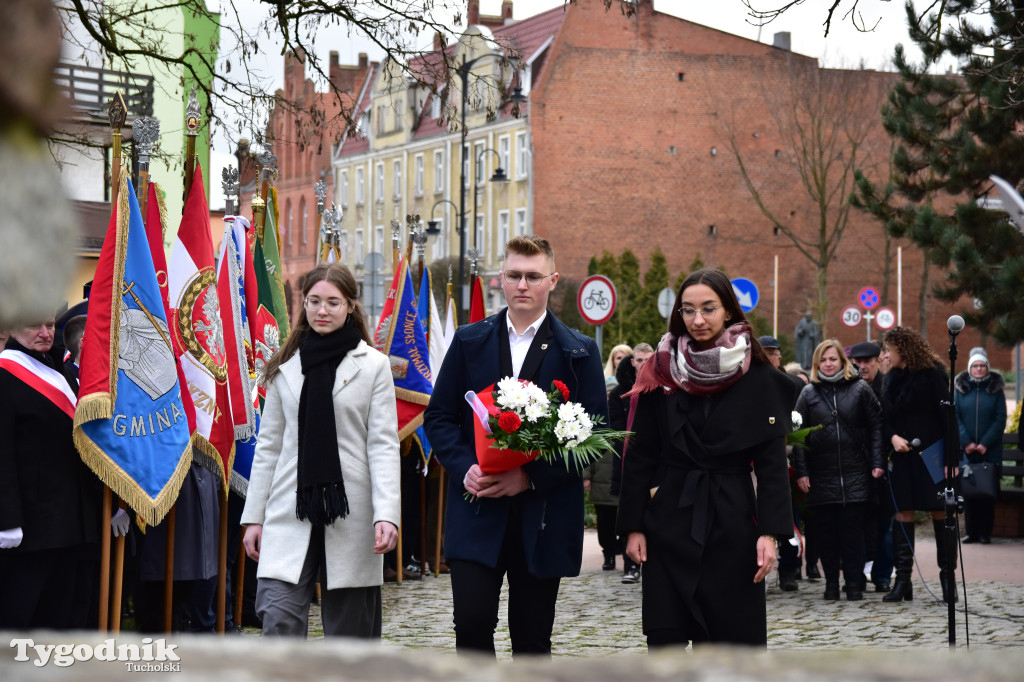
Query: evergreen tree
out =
(649, 322)
(952, 133)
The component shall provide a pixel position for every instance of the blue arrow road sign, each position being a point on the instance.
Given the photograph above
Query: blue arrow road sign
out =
(746, 292)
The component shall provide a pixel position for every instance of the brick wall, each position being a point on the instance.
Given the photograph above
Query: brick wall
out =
(631, 122)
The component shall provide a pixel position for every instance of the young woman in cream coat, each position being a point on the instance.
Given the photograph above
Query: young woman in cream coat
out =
(323, 501)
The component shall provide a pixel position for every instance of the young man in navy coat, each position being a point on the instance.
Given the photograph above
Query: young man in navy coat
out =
(526, 523)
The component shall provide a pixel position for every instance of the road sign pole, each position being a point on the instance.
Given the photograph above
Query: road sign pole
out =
(599, 338)
(867, 319)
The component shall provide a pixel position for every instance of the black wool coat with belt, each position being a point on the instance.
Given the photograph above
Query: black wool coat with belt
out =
(703, 520)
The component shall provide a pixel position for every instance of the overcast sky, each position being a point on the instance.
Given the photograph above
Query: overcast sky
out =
(844, 47)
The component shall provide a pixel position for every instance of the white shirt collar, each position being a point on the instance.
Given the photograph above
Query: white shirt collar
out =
(530, 330)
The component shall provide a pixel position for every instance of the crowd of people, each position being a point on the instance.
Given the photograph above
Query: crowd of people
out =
(701, 501)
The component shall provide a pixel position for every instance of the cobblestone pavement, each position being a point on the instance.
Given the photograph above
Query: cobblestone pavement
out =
(599, 616)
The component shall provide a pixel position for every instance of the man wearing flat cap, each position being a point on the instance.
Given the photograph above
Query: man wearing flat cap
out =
(878, 519)
(866, 356)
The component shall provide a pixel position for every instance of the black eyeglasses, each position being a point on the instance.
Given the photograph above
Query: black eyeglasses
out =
(532, 278)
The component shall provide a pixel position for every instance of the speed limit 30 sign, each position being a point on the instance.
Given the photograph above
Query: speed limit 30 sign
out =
(851, 316)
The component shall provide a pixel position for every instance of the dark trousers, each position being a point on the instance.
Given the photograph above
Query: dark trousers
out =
(37, 589)
(881, 570)
(812, 549)
(606, 537)
(789, 554)
(979, 517)
(840, 537)
(531, 600)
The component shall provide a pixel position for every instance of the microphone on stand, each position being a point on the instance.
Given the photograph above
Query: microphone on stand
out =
(955, 324)
(916, 443)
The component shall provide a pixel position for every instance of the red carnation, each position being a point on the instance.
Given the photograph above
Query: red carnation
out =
(562, 388)
(509, 422)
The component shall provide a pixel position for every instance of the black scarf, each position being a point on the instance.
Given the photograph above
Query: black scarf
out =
(320, 496)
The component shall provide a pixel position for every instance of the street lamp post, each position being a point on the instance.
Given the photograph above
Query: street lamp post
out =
(499, 176)
(517, 97)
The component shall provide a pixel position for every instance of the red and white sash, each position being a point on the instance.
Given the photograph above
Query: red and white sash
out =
(49, 382)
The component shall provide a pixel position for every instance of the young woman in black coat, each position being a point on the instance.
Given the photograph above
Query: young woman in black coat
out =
(707, 405)
(837, 467)
(912, 396)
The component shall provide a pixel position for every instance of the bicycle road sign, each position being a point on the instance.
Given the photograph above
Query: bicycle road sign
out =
(868, 297)
(596, 299)
(885, 318)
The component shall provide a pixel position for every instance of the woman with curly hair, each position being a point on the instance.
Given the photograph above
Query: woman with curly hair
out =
(914, 419)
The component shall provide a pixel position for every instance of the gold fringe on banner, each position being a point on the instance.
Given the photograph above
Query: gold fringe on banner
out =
(206, 456)
(162, 206)
(151, 510)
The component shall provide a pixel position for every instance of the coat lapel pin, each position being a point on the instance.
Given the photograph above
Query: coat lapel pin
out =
(543, 346)
(771, 420)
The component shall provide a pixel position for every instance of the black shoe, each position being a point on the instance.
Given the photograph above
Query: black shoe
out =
(902, 590)
(813, 573)
(632, 576)
(854, 594)
(831, 592)
(985, 540)
(881, 586)
(609, 563)
(969, 540)
(787, 581)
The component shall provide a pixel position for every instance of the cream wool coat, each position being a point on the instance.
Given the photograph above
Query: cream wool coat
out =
(367, 425)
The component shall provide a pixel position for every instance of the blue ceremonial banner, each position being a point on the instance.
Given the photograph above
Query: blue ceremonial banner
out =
(130, 424)
(400, 336)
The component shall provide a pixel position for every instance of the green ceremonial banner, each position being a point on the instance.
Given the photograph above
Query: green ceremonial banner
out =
(272, 258)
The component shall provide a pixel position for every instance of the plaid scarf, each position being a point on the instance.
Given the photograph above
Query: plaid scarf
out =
(678, 364)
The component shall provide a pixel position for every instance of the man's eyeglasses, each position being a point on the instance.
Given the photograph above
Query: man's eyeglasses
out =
(706, 311)
(513, 278)
(332, 305)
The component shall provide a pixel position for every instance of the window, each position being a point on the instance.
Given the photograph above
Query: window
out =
(363, 126)
(481, 163)
(465, 161)
(419, 174)
(439, 170)
(305, 222)
(399, 110)
(397, 179)
(381, 116)
(441, 243)
(502, 235)
(289, 224)
(378, 188)
(435, 106)
(344, 247)
(360, 187)
(520, 222)
(343, 191)
(360, 248)
(522, 156)
(378, 239)
(504, 145)
(480, 239)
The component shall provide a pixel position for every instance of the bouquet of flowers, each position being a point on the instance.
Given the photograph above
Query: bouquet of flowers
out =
(518, 422)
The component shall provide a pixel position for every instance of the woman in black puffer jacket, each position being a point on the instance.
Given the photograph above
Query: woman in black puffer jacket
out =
(836, 468)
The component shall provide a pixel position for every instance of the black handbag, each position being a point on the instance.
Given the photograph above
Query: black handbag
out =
(978, 481)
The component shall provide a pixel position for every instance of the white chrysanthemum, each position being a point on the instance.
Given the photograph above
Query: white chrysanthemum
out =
(534, 411)
(567, 412)
(572, 443)
(798, 420)
(560, 432)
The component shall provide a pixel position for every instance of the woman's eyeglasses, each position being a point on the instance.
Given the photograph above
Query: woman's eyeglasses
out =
(706, 311)
(313, 304)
